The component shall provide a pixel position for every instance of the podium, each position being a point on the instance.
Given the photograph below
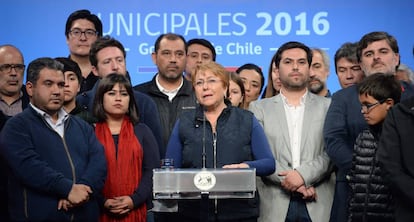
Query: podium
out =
(204, 184)
(191, 183)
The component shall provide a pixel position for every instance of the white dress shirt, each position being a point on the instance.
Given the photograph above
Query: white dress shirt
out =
(294, 118)
(59, 126)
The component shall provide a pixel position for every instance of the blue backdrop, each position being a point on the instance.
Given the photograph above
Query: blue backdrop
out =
(241, 30)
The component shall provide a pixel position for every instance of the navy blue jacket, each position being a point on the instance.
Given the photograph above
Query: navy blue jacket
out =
(395, 156)
(151, 160)
(44, 166)
(147, 110)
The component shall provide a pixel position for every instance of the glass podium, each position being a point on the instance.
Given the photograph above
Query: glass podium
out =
(203, 184)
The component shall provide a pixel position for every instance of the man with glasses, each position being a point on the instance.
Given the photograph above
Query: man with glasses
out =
(13, 99)
(83, 29)
(13, 96)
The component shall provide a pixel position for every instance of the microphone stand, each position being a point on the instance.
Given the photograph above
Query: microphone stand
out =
(204, 154)
(204, 215)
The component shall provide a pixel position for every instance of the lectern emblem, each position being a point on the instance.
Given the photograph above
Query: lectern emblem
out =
(204, 180)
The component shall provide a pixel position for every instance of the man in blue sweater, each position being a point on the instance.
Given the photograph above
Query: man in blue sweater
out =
(56, 164)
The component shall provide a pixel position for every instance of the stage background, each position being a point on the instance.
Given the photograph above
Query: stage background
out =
(241, 30)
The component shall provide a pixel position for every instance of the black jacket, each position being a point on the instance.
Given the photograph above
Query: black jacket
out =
(3, 175)
(396, 157)
(371, 198)
(169, 111)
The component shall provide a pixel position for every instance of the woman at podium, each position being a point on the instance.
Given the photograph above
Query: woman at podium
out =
(218, 135)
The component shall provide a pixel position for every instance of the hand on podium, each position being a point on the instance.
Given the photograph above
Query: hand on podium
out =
(237, 165)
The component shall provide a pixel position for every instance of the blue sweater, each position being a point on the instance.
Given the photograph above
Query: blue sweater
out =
(151, 160)
(43, 166)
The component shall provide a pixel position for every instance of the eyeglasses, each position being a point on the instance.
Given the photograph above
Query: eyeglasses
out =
(89, 33)
(200, 83)
(9, 67)
(366, 108)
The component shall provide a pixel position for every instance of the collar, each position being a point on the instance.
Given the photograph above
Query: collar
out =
(19, 98)
(302, 99)
(165, 91)
(62, 114)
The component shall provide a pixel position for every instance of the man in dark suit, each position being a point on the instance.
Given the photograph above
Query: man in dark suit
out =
(377, 52)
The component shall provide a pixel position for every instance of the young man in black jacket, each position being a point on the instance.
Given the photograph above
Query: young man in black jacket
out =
(370, 198)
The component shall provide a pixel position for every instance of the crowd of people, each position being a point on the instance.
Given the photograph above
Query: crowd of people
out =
(79, 142)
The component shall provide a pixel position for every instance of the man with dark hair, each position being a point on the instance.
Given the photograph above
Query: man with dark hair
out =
(347, 67)
(167, 88)
(81, 30)
(172, 94)
(301, 188)
(57, 166)
(376, 52)
(199, 51)
(73, 76)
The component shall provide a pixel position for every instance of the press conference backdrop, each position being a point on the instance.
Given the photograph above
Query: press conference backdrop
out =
(242, 31)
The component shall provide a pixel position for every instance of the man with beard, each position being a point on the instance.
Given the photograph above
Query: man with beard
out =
(377, 52)
(302, 187)
(172, 94)
(318, 73)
